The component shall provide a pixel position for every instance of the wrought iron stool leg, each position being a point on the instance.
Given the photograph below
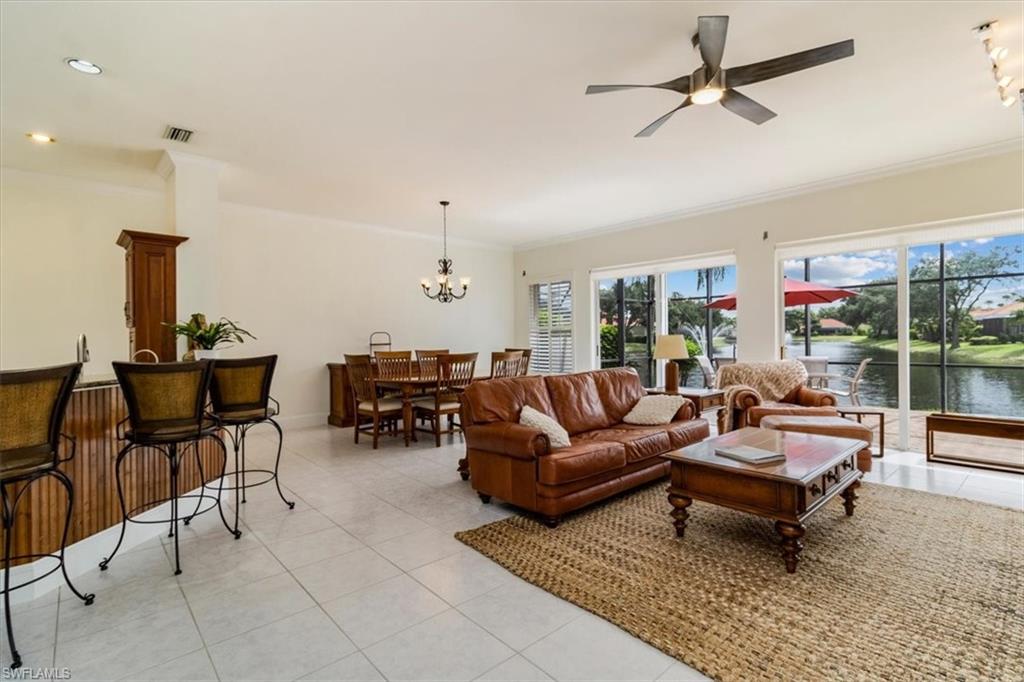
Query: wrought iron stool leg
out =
(277, 463)
(124, 509)
(202, 486)
(220, 489)
(174, 505)
(66, 482)
(8, 524)
(240, 438)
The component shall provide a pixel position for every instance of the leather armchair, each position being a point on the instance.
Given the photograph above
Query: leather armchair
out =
(748, 408)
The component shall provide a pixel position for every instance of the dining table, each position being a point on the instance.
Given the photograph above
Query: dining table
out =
(409, 387)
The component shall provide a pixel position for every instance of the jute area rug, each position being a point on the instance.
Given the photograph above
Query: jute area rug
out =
(912, 586)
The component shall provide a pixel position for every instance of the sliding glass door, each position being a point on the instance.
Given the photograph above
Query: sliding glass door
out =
(966, 332)
(627, 324)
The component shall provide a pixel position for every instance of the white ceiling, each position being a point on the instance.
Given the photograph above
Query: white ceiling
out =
(371, 112)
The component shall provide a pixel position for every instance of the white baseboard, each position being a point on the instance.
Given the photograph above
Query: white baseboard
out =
(301, 421)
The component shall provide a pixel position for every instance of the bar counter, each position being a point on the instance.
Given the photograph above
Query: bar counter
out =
(95, 408)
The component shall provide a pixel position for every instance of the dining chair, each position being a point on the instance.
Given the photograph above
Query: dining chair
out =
(366, 399)
(454, 373)
(817, 369)
(32, 407)
(426, 361)
(393, 364)
(524, 366)
(506, 364)
(852, 391)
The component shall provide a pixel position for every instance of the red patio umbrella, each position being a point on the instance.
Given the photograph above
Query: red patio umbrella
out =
(797, 293)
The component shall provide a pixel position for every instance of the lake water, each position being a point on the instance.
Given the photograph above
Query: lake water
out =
(996, 390)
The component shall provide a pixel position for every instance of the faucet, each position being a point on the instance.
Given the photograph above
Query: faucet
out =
(82, 349)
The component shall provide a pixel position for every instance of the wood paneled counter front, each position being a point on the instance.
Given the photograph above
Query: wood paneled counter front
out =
(95, 409)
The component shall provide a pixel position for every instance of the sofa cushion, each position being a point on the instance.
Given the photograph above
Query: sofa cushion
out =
(578, 461)
(557, 436)
(680, 433)
(639, 442)
(500, 400)
(594, 400)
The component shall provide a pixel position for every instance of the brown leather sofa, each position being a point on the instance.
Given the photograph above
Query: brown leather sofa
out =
(516, 462)
(748, 408)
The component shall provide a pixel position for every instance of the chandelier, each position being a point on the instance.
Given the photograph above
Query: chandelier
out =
(445, 293)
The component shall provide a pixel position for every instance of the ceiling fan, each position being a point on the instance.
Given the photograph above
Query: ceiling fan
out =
(711, 83)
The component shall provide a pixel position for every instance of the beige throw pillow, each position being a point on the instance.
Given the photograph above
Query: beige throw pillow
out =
(654, 409)
(557, 436)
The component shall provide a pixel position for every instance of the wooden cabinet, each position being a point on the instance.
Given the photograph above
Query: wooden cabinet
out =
(343, 408)
(150, 291)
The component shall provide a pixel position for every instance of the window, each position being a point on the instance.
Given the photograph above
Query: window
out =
(551, 327)
(628, 325)
(689, 293)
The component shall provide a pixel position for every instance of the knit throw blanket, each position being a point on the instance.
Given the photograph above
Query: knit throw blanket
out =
(771, 381)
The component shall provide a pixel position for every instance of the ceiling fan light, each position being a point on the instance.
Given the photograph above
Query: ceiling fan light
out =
(707, 96)
(1005, 81)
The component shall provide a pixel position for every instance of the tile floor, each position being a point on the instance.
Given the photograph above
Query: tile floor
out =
(361, 581)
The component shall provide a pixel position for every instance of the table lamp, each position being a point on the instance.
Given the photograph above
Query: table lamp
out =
(671, 347)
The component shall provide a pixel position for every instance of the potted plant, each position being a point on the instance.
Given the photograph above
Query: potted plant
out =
(205, 339)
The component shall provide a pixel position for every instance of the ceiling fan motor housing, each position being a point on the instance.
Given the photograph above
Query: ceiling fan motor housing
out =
(699, 79)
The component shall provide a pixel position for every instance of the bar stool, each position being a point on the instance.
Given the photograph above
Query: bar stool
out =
(240, 395)
(165, 413)
(32, 406)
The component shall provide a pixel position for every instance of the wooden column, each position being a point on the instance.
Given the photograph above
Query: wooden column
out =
(150, 291)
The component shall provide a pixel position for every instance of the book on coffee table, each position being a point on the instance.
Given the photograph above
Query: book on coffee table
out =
(750, 455)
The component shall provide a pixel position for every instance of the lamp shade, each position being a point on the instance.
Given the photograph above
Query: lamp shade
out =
(670, 347)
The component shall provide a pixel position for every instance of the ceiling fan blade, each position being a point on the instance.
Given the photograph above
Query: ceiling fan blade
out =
(681, 85)
(649, 130)
(711, 40)
(741, 105)
(780, 66)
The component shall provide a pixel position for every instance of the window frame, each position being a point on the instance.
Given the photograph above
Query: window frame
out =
(571, 327)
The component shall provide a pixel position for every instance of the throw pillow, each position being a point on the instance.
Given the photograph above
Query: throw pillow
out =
(654, 409)
(557, 436)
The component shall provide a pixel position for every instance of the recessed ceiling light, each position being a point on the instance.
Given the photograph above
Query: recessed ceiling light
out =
(41, 138)
(84, 66)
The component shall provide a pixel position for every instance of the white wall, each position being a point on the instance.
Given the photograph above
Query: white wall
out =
(967, 188)
(313, 289)
(310, 289)
(61, 272)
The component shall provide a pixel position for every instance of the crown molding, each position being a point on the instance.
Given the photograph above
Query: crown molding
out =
(996, 148)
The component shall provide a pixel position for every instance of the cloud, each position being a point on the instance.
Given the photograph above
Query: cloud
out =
(853, 268)
(983, 240)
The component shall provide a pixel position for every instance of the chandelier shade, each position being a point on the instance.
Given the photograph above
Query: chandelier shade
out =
(445, 293)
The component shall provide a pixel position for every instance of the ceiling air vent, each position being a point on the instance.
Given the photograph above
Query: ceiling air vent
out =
(178, 134)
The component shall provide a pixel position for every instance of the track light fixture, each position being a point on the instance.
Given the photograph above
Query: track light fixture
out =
(996, 54)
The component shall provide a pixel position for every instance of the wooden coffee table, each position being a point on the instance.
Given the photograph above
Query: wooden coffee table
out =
(817, 468)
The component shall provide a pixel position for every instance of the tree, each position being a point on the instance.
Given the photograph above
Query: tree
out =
(961, 294)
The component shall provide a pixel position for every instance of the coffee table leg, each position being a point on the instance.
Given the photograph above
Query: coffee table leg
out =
(679, 514)
(791, 544)
(850, 497)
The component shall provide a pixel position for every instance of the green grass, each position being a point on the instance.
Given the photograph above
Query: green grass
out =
(1003, 353)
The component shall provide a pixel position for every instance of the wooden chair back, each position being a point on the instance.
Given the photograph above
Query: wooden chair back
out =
(426, 361)
(455, 372)
(506, 364)
(393, 364)
(360, 375)
(524, 366)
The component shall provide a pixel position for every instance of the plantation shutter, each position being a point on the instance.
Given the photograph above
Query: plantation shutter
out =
(551, 327)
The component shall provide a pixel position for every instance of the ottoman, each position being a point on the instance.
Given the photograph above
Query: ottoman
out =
(825, 426)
